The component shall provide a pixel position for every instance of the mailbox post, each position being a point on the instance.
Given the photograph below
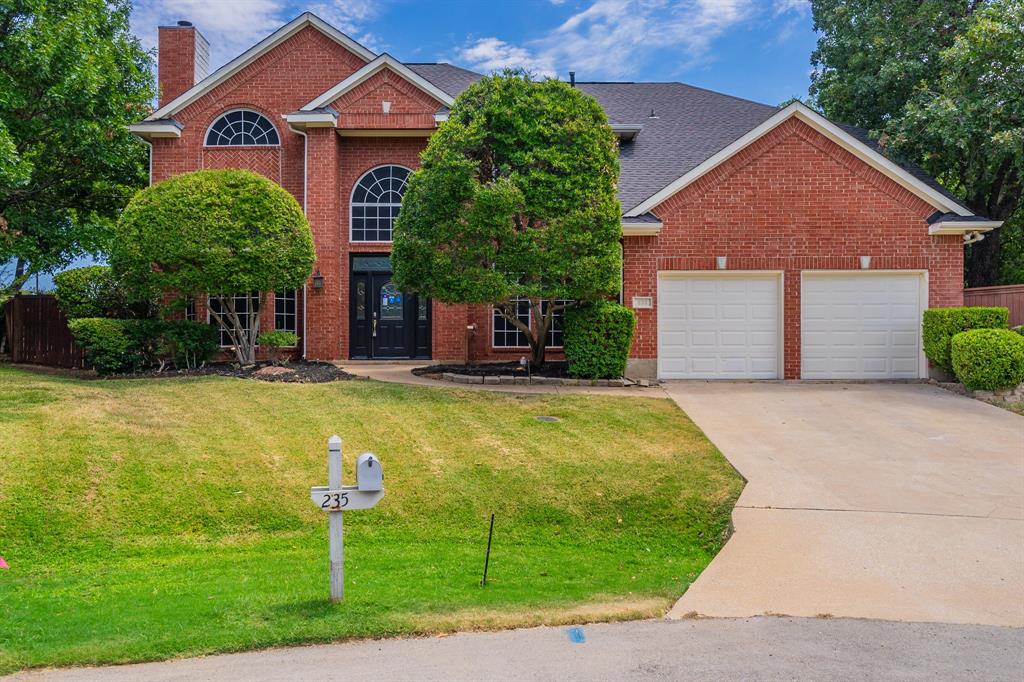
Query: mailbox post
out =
(335, 499)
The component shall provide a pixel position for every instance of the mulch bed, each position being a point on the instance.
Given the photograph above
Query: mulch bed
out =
(293, 372)
(557, 370)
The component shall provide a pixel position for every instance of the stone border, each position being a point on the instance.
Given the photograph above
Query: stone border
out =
(1010, 395)
(510, 380)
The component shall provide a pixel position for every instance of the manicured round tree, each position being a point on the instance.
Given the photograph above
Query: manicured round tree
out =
(220, 233)
(516, 199)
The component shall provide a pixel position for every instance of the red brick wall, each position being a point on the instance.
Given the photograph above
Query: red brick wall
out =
(177, 65)
(279, 82)
(361, 107)
(791, 201)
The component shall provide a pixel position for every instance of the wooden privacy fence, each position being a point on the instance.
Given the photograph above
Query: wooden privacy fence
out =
(37, 333)
(1009, 296)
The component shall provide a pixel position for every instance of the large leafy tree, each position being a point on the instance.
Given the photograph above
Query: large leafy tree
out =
(941, 83)
(72, 77)
(516, 199)
(222, 233)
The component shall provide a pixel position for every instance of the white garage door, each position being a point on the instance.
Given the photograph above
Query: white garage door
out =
(861, 325)
(718, 326)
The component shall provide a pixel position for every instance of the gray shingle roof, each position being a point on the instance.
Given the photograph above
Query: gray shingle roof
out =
(451, 79)
(691, 124)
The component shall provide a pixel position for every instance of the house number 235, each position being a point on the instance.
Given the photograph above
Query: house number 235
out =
(334, 501)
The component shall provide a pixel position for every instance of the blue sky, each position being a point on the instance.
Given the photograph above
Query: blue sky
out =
(757, 49)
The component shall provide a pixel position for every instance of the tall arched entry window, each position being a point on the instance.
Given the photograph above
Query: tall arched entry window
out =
(376, 200)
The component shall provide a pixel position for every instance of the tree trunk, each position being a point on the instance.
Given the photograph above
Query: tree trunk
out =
(983, 261)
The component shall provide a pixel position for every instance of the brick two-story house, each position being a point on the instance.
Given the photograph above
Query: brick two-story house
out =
(758, 242)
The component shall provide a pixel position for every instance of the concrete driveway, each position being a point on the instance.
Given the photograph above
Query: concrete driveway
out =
(890, 501)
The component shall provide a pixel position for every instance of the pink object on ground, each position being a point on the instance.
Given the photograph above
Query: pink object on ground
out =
(3, 563)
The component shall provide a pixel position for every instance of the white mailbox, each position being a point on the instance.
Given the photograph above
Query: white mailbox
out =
(369, 475)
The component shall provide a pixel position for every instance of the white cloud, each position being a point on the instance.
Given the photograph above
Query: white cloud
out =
(801, 7)
(233, 26)
(492, 54)
(615, 38)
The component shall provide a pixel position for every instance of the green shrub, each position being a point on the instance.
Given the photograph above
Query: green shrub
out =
(278, 339)
(988, 359)
(107, 344)
(598, 337)
(94, 291)
(188, 344)
(118, 346)
(942, 324)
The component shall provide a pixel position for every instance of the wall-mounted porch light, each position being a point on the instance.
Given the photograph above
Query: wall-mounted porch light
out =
(318, 280)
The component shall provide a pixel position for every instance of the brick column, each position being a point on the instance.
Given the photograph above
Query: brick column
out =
(324, 307)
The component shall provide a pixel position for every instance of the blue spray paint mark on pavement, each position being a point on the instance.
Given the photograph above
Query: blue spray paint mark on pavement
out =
(576, 635)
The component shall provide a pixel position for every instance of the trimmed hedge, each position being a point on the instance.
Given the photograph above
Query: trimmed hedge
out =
(117, 346)
(988, 359)
(940, 325)
(598, 337)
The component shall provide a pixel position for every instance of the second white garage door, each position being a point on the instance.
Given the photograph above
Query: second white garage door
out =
(861, 325)
(718, 326)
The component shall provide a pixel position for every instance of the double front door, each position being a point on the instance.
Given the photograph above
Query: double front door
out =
(384, 321)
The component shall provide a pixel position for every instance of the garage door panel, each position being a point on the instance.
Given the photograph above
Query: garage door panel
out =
(718, 327)
(861, 325)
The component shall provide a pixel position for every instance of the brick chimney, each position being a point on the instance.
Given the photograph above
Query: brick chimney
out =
(183, 56)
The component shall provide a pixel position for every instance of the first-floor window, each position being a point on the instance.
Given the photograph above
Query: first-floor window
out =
(556, 333)
(284, 311)
(190, 309)
(244, 305)
(505, 334)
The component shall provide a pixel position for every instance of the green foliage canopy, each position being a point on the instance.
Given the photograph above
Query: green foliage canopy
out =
(216, 232)
(941, 83)
(72, 77)
(94, 291)
(516, 198)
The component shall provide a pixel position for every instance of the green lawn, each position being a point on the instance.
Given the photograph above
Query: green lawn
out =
(148, 519)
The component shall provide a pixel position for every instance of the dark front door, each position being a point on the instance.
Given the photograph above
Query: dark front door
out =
(384, 321)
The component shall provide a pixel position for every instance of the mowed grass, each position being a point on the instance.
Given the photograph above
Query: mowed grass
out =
(150, 519)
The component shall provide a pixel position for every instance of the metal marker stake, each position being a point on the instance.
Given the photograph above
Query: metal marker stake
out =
(335, 522)
(487, 558)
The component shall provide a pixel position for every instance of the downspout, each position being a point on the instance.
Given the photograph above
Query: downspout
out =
(150, 145)
(305, 190)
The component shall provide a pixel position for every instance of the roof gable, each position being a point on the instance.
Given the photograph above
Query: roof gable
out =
(910, 181)
(255, 52)
(384, 61)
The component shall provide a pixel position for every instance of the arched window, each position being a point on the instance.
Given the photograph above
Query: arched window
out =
(376, 199)
(241, 128)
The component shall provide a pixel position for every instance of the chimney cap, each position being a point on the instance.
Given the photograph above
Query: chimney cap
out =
(183, 22)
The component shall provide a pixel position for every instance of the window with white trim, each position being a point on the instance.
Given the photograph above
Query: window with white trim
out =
(504, 334)
(285, 311)
(556, 332)
(244, 303)
(242, 128)
(376, 200)
(190, 309)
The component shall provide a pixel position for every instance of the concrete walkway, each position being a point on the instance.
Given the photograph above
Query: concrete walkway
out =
(889, 501)
(754, 649)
